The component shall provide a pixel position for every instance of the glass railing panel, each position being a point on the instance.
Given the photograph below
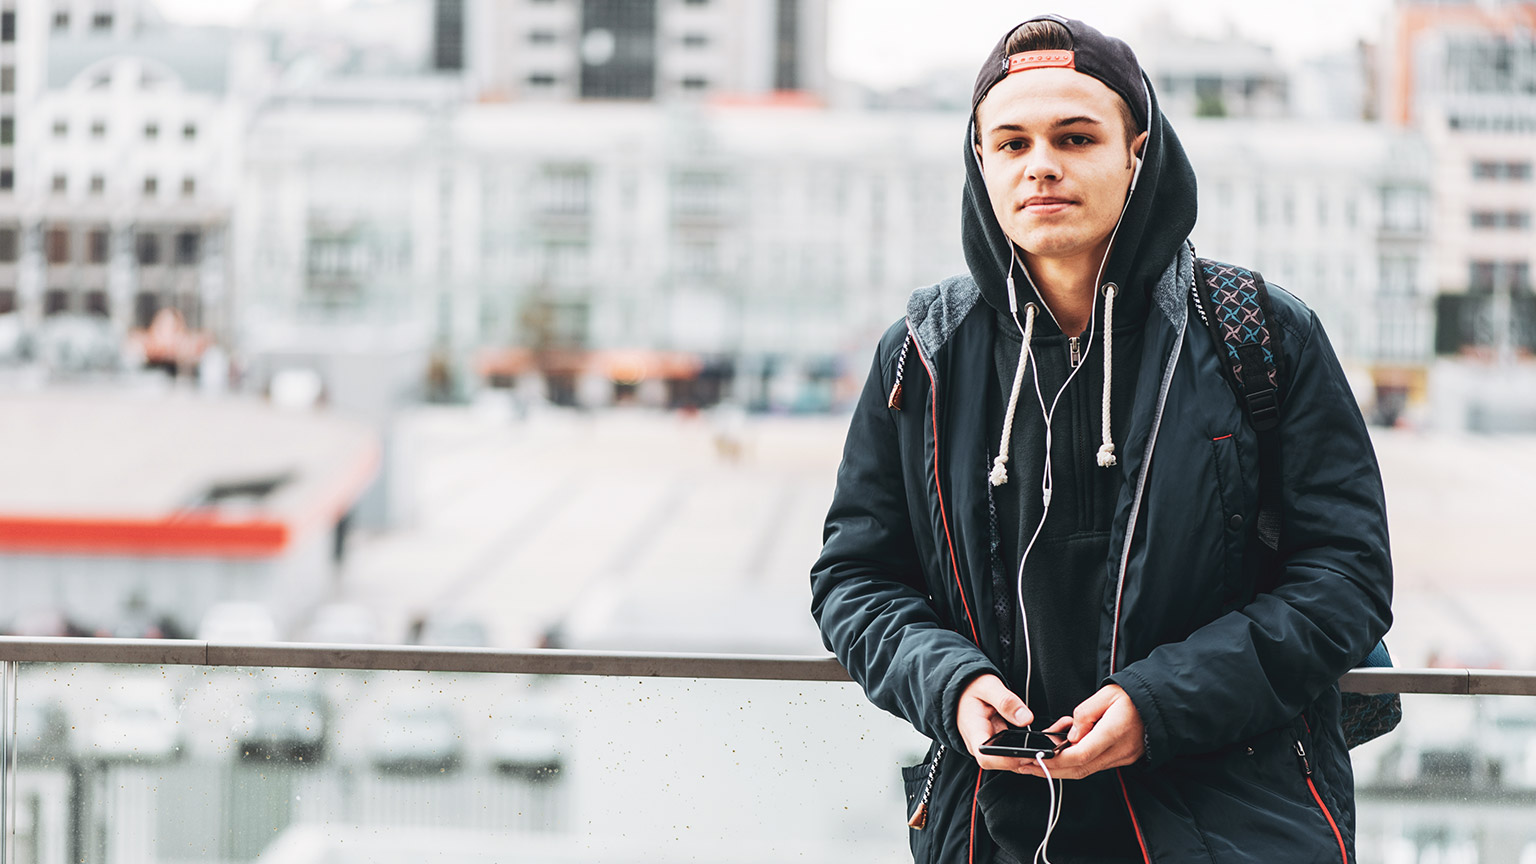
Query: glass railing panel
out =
(1455, 783)
(181, 764)
(206, 764)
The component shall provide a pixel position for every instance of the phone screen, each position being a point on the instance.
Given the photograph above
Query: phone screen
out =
(1025, 743)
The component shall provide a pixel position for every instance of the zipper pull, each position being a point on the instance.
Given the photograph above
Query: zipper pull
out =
(1077, 356)
(919, 820)
(1301, 754)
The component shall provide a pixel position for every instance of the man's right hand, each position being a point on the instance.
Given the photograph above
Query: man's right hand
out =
(986, 708)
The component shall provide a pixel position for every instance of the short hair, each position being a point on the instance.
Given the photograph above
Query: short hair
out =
(1047, 35)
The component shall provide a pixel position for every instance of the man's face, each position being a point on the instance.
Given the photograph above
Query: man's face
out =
(1055, 159)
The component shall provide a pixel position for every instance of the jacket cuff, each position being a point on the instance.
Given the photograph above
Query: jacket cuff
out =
(949, 701)
(1155, 744)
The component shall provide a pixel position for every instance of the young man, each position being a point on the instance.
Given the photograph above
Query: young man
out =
(1047, 510)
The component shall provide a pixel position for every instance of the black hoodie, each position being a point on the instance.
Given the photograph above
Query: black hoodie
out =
(1064, 579)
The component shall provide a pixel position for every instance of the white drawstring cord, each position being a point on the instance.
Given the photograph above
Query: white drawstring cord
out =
(1107, 450)
(1053, 810)
(999, 464)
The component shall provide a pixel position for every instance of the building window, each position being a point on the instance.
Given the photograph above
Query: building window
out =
(55, 301)
(151, 131)
(7, 79)
(56, 245)
(188, 187)
(448, 24)
(1493, 169)
(7, 178)
(786, 59)
(60, 184)
(189, 132)
(61, 20)
(9, 245)
(696, 2)
(7, 26)
(60, 129)
(98, 128)
(145, 305)
(96, 304)
(566, 191)
(147, 247)
(1485, 277)
(101, 21)
(151, 187)
(695, 82)
(1485, 219)
(542, 37)
(98, 245)
(7, 301)
(188, 244)
(1518, 219)
(695, 40)
(98, 184)
(541, 79)
(7, 131)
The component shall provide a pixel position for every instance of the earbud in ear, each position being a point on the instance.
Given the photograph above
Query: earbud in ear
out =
(1136, 173)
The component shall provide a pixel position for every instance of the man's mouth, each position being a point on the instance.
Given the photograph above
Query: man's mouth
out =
(1042, 205)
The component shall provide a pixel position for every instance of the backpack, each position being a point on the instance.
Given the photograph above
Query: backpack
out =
(1233, 302)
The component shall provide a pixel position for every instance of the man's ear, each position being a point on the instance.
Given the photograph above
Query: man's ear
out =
(1139, 145)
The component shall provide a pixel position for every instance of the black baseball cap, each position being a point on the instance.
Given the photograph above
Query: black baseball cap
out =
(1094, 54)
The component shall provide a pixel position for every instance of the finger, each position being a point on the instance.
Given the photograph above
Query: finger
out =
(1060, 724)
(1004, 763)
(1004, 701)
(1087, 715)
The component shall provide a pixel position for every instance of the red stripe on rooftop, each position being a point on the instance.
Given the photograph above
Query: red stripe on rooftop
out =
(188, 535)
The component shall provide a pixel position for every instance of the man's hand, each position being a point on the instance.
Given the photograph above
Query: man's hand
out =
(986, 708)
(1106, 732)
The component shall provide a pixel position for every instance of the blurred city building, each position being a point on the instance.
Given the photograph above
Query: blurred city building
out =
(1464, 76)
(129, 514)
(126, 130)
(641, 50)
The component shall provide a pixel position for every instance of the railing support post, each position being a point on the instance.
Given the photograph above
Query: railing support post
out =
(9, 669)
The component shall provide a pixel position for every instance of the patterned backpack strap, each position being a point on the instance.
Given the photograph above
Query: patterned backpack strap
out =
(1239, 317)
(1234, 304)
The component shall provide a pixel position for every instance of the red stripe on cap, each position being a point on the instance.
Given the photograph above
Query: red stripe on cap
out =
(1041, 60)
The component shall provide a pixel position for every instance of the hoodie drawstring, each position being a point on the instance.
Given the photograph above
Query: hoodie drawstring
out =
(999, 465)
(1107, 450)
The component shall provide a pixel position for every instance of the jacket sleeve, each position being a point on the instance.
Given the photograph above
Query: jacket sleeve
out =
(1259, 666)
(867, 587)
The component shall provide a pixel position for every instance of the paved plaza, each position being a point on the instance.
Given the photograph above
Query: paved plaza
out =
(643, 530)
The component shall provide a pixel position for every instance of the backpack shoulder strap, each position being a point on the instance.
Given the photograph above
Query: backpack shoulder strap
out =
(1234, 304)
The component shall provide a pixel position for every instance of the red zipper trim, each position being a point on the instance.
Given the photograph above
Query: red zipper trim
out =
(1135, 825)
(975, 798)
(954, 564)
(1343, 854)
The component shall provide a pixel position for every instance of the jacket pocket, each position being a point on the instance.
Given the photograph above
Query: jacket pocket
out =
(914, 781)
(1229, 493)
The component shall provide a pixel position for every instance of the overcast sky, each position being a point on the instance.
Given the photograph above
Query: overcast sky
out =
(886, 42)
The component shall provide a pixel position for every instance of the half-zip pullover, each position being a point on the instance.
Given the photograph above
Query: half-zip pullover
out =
(1065, 576)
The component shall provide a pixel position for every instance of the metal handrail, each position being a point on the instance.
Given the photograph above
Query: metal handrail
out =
(629, 664)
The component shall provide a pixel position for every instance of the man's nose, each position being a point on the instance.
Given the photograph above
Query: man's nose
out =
(1043, 166)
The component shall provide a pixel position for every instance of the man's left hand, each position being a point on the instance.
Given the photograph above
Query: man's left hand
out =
(1106, 732)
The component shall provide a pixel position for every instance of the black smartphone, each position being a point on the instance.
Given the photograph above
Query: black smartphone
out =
(1025, 743)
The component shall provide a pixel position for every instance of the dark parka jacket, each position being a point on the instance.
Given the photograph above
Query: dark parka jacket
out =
(1237, 688)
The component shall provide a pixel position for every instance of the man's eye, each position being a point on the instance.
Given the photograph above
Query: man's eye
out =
(1013, 146)
(1079, 140)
